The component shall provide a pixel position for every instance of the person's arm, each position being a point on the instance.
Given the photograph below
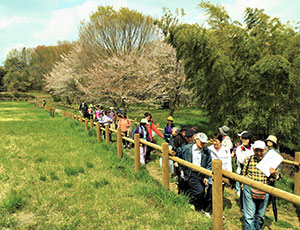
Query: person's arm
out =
(155, 129)
(246, 166)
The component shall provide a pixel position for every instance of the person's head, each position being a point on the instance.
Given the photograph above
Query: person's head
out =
(201, 140)
(97, 107)
(106, 112)
(111, 108)
(195, 129)
(271, 141)
(189, 135)
(183, 129)
(144, 122)
(124, 115)
(247, 139)
(175, 131)
(224, 130)
(148, 116)
(240, 134)
(170, 120)
(260, 149)
(217, 140)
(101, 107)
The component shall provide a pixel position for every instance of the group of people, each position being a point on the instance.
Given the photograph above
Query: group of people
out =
(195, 147)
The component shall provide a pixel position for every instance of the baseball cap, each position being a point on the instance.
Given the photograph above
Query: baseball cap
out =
(259, 145)
(202, 137)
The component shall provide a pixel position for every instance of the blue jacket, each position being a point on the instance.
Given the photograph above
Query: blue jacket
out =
(186, 153)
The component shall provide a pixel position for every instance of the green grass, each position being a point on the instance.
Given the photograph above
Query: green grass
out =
(63, 179)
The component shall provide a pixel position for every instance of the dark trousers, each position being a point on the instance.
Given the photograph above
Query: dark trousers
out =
(124, 141)
(197, 191)
(149, 150)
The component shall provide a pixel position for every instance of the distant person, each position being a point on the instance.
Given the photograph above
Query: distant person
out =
(44, 103)
(224, 130)
(271, 143)
(83, 109)
(106, 120)
(168, 129)
(151, 128)
(91, 111)
(144, 135)
(175, 132)
(97, 113)
(124, 124)
(255, 201)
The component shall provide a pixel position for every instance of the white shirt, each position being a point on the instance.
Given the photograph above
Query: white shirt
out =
(224, 155)
(242, 153)
(196, 155)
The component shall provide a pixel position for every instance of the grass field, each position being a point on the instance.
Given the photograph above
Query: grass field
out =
(53, 175)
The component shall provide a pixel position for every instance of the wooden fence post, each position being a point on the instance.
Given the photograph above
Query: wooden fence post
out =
(81, 120)
(107, 134)
(86, 124)
(217, 195)
(297, 174)
(91, 124)
(137, 152)
(119, 142)
(98, 132)
(165, 165)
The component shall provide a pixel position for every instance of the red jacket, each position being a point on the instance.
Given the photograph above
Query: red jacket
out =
(151, 127)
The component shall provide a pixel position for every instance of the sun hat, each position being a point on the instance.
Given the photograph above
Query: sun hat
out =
(272, 138)
(224, 130)
(202, 137)
(259, 145)
(144, 121)
(170, 118)
(240, 134)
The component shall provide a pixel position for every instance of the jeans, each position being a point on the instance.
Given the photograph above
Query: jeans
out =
(254, 210)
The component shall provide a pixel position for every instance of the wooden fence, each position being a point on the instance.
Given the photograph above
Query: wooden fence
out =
(218, 174)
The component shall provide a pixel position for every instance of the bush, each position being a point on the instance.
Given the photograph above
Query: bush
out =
(12, 203)
(74, 171)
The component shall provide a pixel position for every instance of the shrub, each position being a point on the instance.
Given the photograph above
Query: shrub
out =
(74, 171)
(12, 203)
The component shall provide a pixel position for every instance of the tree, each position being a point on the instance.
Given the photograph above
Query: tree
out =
(243, 76)
(2, 73)
(110, 32)
(65, 80)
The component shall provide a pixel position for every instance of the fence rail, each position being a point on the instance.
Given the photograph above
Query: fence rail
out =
(218, 174)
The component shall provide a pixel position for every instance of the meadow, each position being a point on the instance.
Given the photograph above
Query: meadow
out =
(53, 175)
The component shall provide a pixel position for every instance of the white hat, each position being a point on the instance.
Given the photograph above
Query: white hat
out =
(272, 138)
(145, 121)
(224, 130)
(240, 134)
(259, 145)
(111, 107)
(202, 137)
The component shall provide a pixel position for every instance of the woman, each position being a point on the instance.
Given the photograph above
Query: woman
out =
(142, 130)
(168, 129)
(218, 151)
(271, 143)
(124, 124)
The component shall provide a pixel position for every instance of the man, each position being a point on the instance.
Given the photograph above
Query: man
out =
(200, 156)
(255, 201)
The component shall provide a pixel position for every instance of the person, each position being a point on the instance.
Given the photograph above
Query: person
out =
(144, 135)
(242, 152)
(124, 124)
(106, 120)
(175, 132)
(233, 155)
(91, 111)
(179, 141)
(44, 103)
(168, 129)
(97, 113)
(112, 116)
(218, 151)
(255, 202)
(83, 109)
(224, 130)
(151, 127)
(198, 154)
(271, 143)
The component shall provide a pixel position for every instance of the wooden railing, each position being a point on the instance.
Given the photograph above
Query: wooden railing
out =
(218, 174)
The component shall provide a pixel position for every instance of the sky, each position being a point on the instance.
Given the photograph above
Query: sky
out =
(29, 23)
